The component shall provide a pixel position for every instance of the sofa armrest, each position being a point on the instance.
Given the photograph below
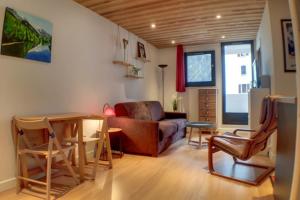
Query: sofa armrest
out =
(175, 115)
(140, 136)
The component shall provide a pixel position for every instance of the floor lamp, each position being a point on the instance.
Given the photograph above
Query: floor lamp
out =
(163, 82)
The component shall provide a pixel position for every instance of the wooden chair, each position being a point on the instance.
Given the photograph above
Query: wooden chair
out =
(101, 139)
(241, 148)
(49, 150)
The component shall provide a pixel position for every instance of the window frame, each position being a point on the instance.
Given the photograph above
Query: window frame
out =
(213, 69)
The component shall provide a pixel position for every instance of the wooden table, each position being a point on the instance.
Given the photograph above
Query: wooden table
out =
(73, 118)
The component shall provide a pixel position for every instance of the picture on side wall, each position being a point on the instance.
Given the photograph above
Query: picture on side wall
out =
(141, 50)
(26, 36)
(288, 45)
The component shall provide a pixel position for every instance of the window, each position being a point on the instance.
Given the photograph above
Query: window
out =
(244, 88)
(200, 69)
(243, 70)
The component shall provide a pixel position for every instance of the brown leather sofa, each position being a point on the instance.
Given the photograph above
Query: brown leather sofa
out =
(147, 129)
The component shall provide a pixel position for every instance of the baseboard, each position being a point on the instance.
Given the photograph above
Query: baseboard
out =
(7, 184)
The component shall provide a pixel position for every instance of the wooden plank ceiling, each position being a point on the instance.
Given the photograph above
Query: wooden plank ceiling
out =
(187, 22)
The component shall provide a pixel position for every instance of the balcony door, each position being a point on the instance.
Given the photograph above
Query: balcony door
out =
(237, 58)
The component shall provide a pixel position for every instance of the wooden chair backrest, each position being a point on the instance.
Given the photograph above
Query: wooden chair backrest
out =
(39, 124)
(268, 122)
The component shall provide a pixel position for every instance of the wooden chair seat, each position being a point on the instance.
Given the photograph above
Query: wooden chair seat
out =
(43, 150)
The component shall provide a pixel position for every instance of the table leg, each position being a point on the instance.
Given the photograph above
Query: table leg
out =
(108, 147)
(200, 136)
(190, 136)
(80, 149)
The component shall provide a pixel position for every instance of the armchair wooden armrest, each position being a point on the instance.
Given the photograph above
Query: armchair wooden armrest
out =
(242, 130)
(231, 138)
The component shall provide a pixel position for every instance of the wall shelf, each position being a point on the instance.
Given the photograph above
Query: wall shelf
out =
(117, 62)
(133, 76)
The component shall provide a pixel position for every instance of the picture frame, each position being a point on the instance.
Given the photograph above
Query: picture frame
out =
(141, 50)
(288, 45)
(26, 36)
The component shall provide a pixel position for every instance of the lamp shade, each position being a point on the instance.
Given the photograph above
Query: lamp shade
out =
(108, 110)
(162, 66)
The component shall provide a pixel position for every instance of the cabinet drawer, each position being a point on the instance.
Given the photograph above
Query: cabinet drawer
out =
(207, 98)
(207, 91)
(207, 112)
(207, 105)
(207, 119)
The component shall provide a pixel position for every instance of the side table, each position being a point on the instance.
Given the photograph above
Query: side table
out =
(114, 134)
(199, 125)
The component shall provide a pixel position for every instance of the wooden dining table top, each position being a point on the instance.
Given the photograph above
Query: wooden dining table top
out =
(63, 116)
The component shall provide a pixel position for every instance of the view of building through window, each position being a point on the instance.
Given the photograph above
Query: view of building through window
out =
(238, 72)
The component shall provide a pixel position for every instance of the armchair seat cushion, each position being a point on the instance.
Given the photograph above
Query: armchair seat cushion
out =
(181, 123)
(166, 129)
(230, 146)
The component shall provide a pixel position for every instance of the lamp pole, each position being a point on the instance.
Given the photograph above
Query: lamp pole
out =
(163, 66)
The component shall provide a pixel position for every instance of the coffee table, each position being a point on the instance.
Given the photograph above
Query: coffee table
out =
(198, 125)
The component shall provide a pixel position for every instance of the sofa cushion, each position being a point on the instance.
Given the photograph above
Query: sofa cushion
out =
(156, 110)
(181, 123)
(166, 129)
(135, 110)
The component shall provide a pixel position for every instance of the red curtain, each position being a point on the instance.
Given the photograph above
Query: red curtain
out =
(180, 74)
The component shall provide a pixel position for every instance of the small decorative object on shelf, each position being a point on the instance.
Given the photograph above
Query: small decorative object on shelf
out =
(141, 50)
(134, 72)
(125, 44)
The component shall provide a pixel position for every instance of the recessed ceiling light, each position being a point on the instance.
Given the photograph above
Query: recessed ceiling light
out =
(153, 25)
(173, 42)
(223, 36)
(218, 16)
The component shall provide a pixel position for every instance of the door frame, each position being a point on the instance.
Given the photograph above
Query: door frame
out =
(233, 118)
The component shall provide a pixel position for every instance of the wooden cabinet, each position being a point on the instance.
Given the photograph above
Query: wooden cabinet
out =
(207, 105)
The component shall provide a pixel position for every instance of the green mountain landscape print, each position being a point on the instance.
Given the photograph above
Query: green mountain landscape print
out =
(26, 36)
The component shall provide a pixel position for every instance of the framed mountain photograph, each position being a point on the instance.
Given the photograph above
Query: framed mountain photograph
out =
(26, 36)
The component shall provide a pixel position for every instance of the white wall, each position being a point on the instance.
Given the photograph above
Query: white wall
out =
(264, 42)
(81, 77)
(269, 38)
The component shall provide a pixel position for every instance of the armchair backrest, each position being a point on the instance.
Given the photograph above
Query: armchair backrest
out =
(268, 126)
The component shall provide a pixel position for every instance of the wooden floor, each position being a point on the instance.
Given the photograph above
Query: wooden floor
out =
(180, 173)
